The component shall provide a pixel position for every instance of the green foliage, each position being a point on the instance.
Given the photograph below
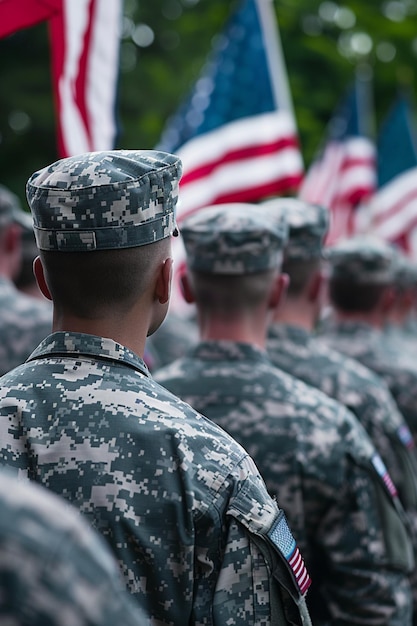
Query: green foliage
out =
(319, 54)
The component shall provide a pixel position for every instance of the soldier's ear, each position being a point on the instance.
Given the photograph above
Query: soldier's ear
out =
(316, 287)
(279, 290)
(185, 285)
(40, 278)
(163, 282)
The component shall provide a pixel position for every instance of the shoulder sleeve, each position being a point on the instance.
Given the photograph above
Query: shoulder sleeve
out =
(262, 559)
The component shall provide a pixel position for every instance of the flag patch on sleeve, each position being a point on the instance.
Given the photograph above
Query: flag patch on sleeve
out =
(379, 465)
(282, 538)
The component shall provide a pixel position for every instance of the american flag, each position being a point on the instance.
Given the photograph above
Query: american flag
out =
(281, 536)
(382, 471)
(392, 211)
(85, 40)
(236, 143)
(344, 173)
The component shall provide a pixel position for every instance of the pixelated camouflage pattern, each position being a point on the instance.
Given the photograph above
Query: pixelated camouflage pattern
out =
(181, 504)
(308, 225)
(400, 341)
(54, 571)
(366, 343)
(24, 322)
(105, 200)
(299, 353)
(11, 209)
(234, 238)
(316, 458)
(362, 259)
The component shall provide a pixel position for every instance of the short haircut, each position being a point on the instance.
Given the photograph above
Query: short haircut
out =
(91, 284)
(300, 272)
(349, 296)
(231, 294)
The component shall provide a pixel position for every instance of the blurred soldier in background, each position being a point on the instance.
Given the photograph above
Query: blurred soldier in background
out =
(293, 347)
(54, 571)
(25, 280)
(24, 321)
(197, 536)
(396, 331)
(314, 455)
(362, 273)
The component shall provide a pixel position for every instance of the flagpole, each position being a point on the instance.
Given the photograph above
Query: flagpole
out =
(275, 56)
(364, 95)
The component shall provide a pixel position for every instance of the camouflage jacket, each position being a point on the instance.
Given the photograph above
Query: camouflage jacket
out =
(367, 345)
(402, 341)
(319, 462)
(24, 322)
(182, 505)
(53, 569)
(299, 353)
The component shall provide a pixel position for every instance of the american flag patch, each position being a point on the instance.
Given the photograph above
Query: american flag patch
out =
(281, 537)
(405, 436)
(383, 472)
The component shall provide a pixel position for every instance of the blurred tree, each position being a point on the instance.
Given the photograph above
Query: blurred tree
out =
(164, 45)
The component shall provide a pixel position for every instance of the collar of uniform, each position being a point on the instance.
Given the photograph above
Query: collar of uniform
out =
(349, 327)
(222, 350)
(296, 334)
(80, 344)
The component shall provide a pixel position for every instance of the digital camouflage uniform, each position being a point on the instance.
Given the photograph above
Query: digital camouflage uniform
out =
(197, 536)
(364, 260)
(312, 452)
(54, 571)
(398, 337)
(24, 321)
(298, 352)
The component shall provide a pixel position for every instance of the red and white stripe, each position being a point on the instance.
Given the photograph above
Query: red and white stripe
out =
(85, 41)
(344, 176)
(383, 473)
(297, 565)
(392, 212)
(242, 161)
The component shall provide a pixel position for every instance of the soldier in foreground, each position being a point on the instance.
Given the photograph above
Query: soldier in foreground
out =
(54, 570)
(312, 452)
(182, 505)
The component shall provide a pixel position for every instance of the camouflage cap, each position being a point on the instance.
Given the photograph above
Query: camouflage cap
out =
(11, 210)
(308, 225)
(234, 238)
(105, 200)
(363, 259)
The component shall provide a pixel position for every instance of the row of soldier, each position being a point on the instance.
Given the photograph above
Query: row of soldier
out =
(202, 534)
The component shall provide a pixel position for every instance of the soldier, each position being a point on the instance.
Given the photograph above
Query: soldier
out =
(396, 330)
(312, 452)
(53, 569)
(293, 347)
(24, 321)
(197, 536)
(362, 271)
